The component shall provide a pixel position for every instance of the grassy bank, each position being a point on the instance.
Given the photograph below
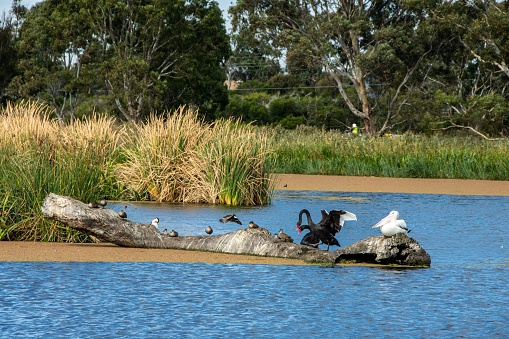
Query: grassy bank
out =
(312, 151)
(180, 158)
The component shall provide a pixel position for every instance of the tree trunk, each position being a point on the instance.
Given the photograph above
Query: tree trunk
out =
(106, 225)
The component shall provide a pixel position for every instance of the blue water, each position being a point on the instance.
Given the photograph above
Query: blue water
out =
(465, 293)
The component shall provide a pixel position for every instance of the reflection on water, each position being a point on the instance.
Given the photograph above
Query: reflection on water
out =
(463, 294)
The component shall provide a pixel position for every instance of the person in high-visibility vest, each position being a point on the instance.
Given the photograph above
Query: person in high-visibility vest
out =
(355, 130)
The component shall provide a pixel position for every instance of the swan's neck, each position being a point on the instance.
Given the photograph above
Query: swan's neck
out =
(308, 215)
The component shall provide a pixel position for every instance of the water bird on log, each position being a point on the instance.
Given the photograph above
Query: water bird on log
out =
(310, 239)
(209, 230)
(332, 222)
(103, 202)
(93, 204)
(253, 225)
(284, 237)
(173, 234)
(230, 218)
(106, 226)
(165, 232)
(155, 222)
(324, 230)
(392, 225)
(122, 213)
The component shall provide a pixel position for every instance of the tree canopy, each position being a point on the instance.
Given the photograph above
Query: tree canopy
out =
(140, 56)
(385, 56)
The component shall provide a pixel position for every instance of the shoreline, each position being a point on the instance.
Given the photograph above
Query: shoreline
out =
(306, 182)
(28, 251)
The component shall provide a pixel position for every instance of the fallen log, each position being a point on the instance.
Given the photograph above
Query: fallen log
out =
(107, 226)
(399, 249)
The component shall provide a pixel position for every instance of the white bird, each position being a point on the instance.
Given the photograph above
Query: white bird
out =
(155, 222)
(392, 225)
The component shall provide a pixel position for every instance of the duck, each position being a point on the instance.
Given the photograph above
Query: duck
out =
(93, 204)
(209, 230)
(253, 225)
(173, 234)
(122, 213)
(230, 218)
(165, 232)
(155, 222)
(103, 202)
(284, 237)
(392, 225)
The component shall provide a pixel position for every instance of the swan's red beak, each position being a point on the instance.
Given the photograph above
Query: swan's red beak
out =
(298, 229)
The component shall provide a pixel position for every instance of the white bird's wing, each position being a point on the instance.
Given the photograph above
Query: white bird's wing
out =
(401, 224)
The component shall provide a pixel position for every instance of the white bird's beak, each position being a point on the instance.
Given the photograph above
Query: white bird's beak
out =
(384, 221)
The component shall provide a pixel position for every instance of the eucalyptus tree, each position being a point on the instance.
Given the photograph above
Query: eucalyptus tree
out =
(145, 56)
(252, 59)
(360, 44)
(160, 53)
(486, 35)
(487, 40)
(470, 78)
(52, 43)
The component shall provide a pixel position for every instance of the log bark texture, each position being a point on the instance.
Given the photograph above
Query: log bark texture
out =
(399, 249)
(107, 226)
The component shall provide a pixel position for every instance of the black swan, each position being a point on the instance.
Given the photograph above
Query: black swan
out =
(310, 239)
(334, 221)
(320, 230)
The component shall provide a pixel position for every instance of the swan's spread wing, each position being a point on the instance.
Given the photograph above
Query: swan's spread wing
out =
(347, 216)
(325, 216)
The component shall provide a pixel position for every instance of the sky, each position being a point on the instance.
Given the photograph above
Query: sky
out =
(5, 5)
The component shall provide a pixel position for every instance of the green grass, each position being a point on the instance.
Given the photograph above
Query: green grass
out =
(311, 151)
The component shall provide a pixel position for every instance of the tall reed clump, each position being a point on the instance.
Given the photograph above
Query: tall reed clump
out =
(158, 162)
(237, 163)
(179, 158)
(38, 156)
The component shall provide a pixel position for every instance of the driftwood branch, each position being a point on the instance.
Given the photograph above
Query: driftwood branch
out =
(107, 226)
